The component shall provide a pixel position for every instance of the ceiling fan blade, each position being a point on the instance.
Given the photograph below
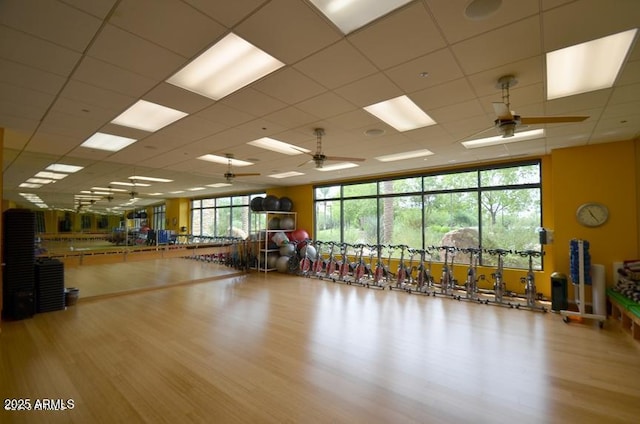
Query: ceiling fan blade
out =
(502, 111)
(305, 162)
(551, 119)
(344, 159)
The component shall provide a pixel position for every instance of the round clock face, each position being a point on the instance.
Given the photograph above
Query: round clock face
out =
(592, 214)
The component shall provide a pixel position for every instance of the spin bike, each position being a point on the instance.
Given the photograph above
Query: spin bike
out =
(318, 262)
(304, 268)
(380, 272)
(529, 280)
(471, 285)
(447, 281)
(499, 286)
(423, 280)
(332, 264)
(401, 273)
(360, 267)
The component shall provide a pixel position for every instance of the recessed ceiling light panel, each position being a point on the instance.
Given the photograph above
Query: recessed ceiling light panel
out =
(61, 167)
(224, 160)
(498, 139)
(147, 116)
(108, 142)
(589, 66)
(229, 65)
(337, 166)
(401, 113)
(405, 155)
(278, 146)
(349, 15)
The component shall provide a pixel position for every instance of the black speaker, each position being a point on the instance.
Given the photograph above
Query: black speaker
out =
(49, 274)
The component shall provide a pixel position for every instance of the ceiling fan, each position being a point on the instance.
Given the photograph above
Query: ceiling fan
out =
(507, 121)
(229, 175)
(319, 158)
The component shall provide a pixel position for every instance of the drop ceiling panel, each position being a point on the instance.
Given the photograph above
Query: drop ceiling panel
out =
(42, 20)
(99, 8)
(131, 52)
(630, 73)
(450, 17)
(228, 13)
(91, 96)
(504, 45)
(326, 105)
(224, 115)
(337, 65)
(369, 90)
(290, 117)
(175, 97)
(402, 35)
(444, 94)
(54, 144)
(457, 112)
(111, 77)
(31, 78)
(300, 30)
(253, 102)
(441, 67)
(526, 72)
(289, 86)
(190, 31)
(28, 50)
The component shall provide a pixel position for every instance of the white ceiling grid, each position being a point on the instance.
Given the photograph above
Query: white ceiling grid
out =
(68, 67)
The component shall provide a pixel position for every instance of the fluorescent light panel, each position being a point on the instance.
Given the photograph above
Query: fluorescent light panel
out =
(51, 175)
(109, 189)
(129, 184)
(109, 142)
(224, 160)
(147, 116)
(152, 179)
(227, 66)
(40, 180)
(401, 113)
(589, 66)
(498, 139)
(218, 185)
(349, 15)
(278, 146)
(286, 174)
(30, 185)
(405, 155)
(337, 166)
(196, 189)
(61, 167)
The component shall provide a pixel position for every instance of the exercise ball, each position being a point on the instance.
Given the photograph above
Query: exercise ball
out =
(286, 205)
(256, 204)
(287, 223)
(298, 235)
(279, 238)
(272, 258)
(274, 223)
(282, 264)
(271, 203)
(307, 248)
(287, 250)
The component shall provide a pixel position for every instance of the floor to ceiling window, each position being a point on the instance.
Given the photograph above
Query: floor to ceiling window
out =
(488, 207)
(228, 216)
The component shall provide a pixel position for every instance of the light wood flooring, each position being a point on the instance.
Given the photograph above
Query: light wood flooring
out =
(281, 349)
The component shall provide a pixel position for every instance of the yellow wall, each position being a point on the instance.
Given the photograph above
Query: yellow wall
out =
(177, 213)
(604, 173)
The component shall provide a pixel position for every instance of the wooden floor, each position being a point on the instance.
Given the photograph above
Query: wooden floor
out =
(282, 349)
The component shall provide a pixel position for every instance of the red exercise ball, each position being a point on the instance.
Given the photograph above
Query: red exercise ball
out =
(298, 235)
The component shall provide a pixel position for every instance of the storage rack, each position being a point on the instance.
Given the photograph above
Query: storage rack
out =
(264, 235)
(582, 278)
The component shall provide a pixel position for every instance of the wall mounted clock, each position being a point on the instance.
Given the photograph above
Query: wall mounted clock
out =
(592, 214)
